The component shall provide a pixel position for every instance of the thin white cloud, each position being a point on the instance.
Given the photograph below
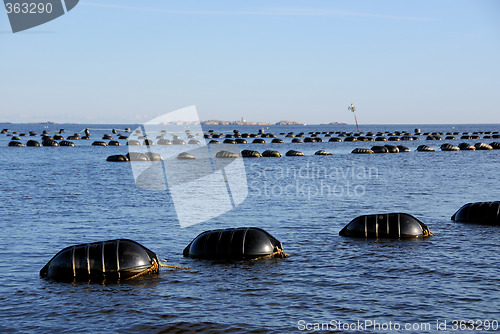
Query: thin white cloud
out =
(263, 12)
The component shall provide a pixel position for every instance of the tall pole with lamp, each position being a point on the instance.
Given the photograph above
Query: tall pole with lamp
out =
(353, 109)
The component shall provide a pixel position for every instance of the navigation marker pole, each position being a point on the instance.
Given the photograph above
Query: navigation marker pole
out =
(353, 109)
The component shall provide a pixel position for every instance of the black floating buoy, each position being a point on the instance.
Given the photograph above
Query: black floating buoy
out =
(99, 143)
(194, 142)
(296, 140)
(117, 158)
(271, 154)
(16, 144)
(137, 156)
(50, 142)
(277, 141)
(114, 143)
(486, 213)
(258, 141)
(449, 147)
(185, 156)
(111, 260)
(466, 147)
(33, 143)
(153, 156)
(495, 145)
(403, 148)
(425, 148)
(67, 143)
(388, 225)
(178, 141)
(293, 153)
(213, 141)
(250, 154)
(380, 149)
(482, 147)
(226, 155)
(164, 142)
(132, 142)
(362, 151)
(242, 243)
(321, 152)
(392, 148)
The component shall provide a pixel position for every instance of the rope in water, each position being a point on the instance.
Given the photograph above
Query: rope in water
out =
(171, 266)
(155, 269)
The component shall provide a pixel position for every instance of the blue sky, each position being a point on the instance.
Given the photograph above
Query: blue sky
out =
(122, 61)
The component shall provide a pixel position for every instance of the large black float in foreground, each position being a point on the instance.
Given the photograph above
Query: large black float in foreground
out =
(389, 225)
(487, 213)
(111, 260)
(242, 243)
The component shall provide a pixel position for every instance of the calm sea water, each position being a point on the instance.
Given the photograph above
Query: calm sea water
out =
(55, 197)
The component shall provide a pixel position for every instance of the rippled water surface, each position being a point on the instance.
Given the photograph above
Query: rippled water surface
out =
(54, 197)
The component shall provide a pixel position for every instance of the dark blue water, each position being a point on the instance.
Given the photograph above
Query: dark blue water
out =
(55, 197)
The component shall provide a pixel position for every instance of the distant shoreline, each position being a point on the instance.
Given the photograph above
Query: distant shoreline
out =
(239, 123)
(208, 122)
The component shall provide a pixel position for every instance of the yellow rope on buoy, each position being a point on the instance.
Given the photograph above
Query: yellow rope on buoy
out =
(154, 269)
(279, 254)
(428, 233)
(171, 266)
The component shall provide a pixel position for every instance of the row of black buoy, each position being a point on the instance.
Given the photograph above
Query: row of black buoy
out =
(293, 153)
(47, 140)
(61, 131)
(317, 134)
(124, 259)
(137, 156)
(237, 138)
(425, 148)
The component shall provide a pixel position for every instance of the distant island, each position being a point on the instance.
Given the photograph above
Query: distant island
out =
(243, 122)
(334, 123)
(51, 123)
